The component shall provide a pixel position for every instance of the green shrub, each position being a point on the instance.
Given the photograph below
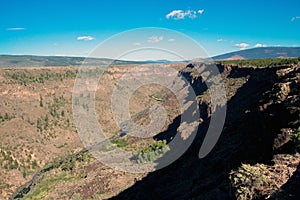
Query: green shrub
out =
(250, 182)
(41, 101)
(34, 164)
(295, 137)
(39, 125)
(24, 173)
(46, 122)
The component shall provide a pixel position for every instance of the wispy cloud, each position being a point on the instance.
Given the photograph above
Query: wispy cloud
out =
(16, 29)
(171, 40)
(242, 45)
(295, 18)
(220, 40)
(85, 38)
(137, 44)
(155, 39)
(180, 14)
(260, 45)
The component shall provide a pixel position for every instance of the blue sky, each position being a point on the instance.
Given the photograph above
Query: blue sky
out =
(77, 27)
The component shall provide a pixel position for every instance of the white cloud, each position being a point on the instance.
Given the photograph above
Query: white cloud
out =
(242, 45)
(180, 14)
(176, 14)
(85, 38)
(15, 29)
(220, 40)
(137, 44)
(155, 39)
(294, 18)
(201, 11)
(260, 45)
(171, 40)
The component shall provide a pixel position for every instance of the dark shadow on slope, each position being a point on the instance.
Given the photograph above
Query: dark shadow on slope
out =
(244, 139)
(290, 190)
(170, 132)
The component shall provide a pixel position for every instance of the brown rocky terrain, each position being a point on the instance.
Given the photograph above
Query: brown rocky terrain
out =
(254, 158)
(42, 156)
(39, 140)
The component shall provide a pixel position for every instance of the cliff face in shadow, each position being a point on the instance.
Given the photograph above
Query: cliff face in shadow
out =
(262, 112)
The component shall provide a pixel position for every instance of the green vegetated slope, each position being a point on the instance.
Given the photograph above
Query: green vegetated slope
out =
(272, 62)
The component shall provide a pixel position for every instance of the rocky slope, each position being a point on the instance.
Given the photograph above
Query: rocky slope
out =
(254, 158)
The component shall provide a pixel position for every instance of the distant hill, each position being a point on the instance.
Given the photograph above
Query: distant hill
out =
(261, 52)
(8, 61)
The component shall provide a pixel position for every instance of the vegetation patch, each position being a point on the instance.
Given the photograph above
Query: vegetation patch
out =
(270, 62)
(6, 117)
(251, 182)
(26, 78)
(119, 143)
(43, 188)
(151, 153)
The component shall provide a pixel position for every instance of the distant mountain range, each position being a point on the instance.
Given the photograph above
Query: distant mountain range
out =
(8, 61)
(261, 52)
